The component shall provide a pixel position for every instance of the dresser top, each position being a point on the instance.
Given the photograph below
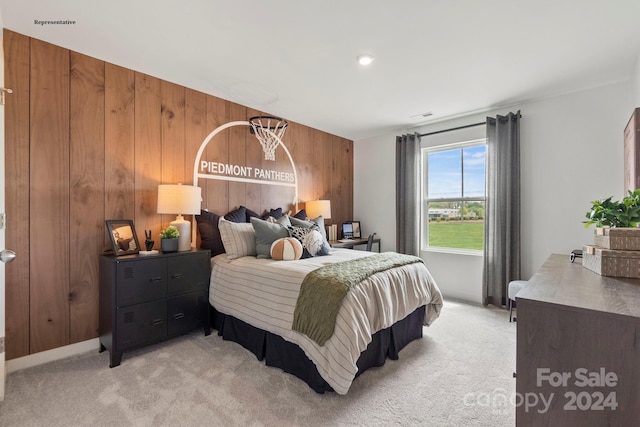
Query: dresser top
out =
(134, 257)
(561, 282)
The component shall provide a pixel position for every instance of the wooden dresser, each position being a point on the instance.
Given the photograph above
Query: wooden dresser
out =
(578, 348)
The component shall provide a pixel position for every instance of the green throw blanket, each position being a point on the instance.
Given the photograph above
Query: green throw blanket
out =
(323, 290)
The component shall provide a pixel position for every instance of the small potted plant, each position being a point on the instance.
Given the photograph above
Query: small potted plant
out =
(620, 214)
(616, 221)
(169, 239)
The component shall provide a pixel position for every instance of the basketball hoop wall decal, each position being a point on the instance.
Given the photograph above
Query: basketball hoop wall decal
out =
(271, 127)
(269, 130)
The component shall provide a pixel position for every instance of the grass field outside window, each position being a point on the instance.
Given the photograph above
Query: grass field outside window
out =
(462, 234)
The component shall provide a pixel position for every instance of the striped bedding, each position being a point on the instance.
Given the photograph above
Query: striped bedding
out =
(263, 293)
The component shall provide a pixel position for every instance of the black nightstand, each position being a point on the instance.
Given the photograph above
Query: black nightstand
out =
(146, 299)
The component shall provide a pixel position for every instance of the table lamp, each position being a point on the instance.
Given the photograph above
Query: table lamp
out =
(180, 199)
(316, 208)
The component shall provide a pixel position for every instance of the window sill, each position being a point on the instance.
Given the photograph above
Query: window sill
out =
(454, 251)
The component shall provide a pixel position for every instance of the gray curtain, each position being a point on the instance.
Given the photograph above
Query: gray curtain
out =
(408, 194)
(502, 211)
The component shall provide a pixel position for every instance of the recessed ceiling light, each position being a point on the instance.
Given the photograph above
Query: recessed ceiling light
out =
(365, 59)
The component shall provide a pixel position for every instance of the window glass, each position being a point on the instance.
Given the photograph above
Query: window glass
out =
(454, 197)
(445, 174)
(474, 171)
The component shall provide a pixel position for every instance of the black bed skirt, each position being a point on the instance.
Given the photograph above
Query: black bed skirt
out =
(277, 352)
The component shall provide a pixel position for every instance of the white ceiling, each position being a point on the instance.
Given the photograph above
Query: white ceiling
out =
(296, 58)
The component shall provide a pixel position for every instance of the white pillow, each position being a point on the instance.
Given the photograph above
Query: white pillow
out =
(315, 244)
(238, 238)
(311, 240)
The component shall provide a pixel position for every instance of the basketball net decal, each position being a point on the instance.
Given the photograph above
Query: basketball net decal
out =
(269, 131)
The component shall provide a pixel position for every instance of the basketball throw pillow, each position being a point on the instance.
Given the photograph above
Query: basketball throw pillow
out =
(286, 249)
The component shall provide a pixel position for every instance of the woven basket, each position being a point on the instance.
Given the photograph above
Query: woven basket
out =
(626, 239)
(611, 262)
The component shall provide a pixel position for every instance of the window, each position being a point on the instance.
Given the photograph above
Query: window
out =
(454, 196)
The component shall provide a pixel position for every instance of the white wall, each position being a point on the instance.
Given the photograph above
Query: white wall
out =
(571, 154)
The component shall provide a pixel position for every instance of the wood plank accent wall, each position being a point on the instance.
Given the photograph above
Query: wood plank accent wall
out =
(86, 204)
(87, 141)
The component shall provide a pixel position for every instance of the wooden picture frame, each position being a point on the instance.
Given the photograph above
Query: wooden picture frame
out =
(122, 234)
(632, 152)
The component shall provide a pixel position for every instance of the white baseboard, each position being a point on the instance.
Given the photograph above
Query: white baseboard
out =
(462, 296)
(52, 355)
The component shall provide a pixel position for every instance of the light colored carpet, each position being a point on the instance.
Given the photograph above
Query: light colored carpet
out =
(459, 374)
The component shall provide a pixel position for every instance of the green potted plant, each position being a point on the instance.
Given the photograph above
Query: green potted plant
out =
(610, 213)
(169, 239)
(616, 221)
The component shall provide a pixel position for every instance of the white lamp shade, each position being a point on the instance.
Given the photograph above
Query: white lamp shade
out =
(179, 199)
(316, 208)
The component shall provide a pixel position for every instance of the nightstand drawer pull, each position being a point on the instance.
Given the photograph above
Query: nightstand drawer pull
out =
(177, 276)
(157, 322)
(178, 316)
(156, 279)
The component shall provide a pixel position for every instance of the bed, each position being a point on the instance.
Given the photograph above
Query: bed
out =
(253, 302)
(254, 299)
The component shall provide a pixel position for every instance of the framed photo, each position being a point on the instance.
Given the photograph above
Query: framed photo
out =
(355, 225)
(123, 236)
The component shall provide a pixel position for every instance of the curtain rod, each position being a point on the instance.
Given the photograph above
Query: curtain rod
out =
(452, 129)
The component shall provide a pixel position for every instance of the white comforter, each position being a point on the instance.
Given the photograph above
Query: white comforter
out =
(263, 293)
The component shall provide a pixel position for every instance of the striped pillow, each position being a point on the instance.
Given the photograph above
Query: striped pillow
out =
(238, 238)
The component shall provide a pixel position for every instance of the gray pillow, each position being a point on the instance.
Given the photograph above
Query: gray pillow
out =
(283, 220)
(266, 234)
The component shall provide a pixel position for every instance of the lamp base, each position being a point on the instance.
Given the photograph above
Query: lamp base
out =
(184, 227)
